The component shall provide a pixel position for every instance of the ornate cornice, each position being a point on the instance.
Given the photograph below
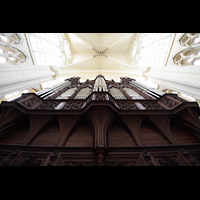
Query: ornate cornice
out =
(34, 103)
(31, 102)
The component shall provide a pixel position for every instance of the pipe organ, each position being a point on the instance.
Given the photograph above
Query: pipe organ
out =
(100, 86)
(99, 123)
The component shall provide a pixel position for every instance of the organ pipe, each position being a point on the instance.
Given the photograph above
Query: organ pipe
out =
(117, 94)
(150, 91)
(49, 91)
(83, 93)
(67, 94)
(133, 94)
(100, 85)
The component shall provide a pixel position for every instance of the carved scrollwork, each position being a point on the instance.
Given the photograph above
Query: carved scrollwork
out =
(127, 106)
(169, 102)
(125, 80)
(79, 164)
(168, 161)
(30, 102)
(102, 164)
(100, 161)
(132, 106)
(31, 161)
(68, 105)
(48, 105)
(189, 157)
(152, 106)
(73, 106)
(100, 97)
(121, 164)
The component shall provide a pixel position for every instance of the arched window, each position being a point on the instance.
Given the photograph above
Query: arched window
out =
(151, 49)
(10, 38)
(11, 55)
(49, 48)
(9, 50)
(191, 54)
(189, 39)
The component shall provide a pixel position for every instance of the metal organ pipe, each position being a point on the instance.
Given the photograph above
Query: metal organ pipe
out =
(145, 89)
(67, 94)
(83, 93)
(117, 94)
(104, 86)
(150, 91)
(60, 87)
(100, 85)
(156, 91)
(133, 94)
(49, 91)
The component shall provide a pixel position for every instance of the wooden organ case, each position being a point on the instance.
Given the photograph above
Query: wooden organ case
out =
(99, 123)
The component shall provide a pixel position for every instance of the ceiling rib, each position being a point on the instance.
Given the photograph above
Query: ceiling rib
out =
(82, 39)
(75, 63)
(100, 53)
(121, 38)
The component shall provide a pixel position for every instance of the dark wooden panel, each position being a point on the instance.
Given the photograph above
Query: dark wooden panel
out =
(119, 135)
(49, 134)
(100, 116)
(16, 133)
(67, 122)
(81, 135)
(182, 133)
(151, 135)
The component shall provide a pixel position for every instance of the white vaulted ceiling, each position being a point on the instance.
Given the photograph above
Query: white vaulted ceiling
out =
(113, 63)
(148, 58)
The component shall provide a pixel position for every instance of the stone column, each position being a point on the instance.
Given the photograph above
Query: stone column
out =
(181, 79)
(14, 77)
